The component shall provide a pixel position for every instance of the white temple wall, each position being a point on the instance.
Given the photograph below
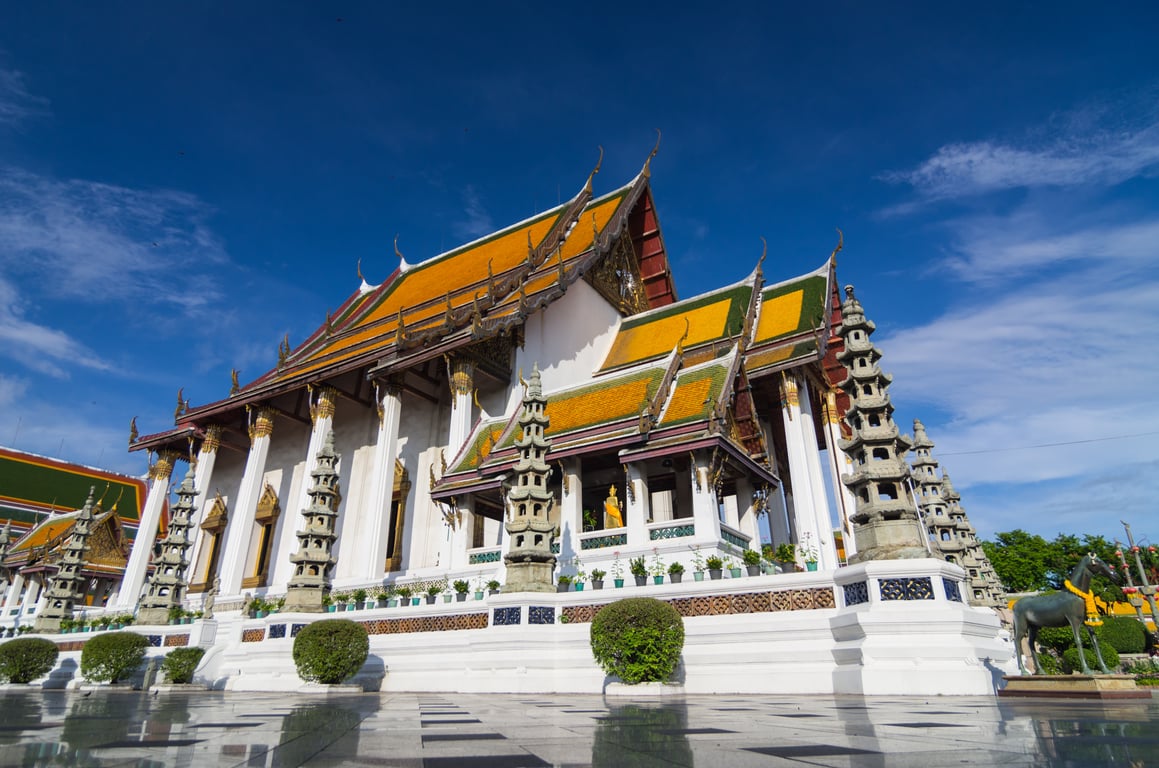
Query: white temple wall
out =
(284, 465)
(568, 340)
(422, 430)
(355, 432)
(227, 472)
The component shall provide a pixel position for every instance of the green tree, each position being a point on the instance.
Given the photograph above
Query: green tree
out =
(1022, 560)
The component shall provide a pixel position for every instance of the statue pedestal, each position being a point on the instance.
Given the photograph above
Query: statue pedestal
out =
(1073, 687)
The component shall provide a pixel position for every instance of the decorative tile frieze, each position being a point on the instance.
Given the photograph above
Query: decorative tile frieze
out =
(718, 605)
(733, 539)
(154, 640)
(919, 588)
(478, 558)
(540, 614)
(277, 631)
(253, 635)
(856, 593)
(507, 616)
(672, 532)
(176, 641)
(602, 542)
(952, 590)
(295, 629)
(426, 624)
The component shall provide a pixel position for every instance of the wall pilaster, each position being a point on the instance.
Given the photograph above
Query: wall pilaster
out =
(241, 519)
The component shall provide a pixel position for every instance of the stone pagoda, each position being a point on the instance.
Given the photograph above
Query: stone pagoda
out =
(943, 531)
(886, 524)
(314, 561)
(530, 562)
(67, 586)
(5, 540)
(985, 588)
(168, 583)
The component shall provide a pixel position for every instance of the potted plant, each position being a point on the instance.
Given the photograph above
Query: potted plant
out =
(328, 603)
(382, 597)
(697, 565)
(493, 586)
(617, 570)
(657, 568)
(598, 578)
(359, 598)
(734, 568)
(752, 561)
(404, 594)
(639, 570)
(809, 554)
(562, 583)
(767, 558)
(461, 589)
(433, 591)
(589, 520)
(786, 556)
(676, 572)
(479, 588)
(715, 565)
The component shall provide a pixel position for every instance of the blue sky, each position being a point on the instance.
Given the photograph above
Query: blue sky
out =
(182, 185)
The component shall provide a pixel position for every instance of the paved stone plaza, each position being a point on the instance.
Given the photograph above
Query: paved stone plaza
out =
(509, 731)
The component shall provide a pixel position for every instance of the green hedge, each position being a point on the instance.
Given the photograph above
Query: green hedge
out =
(331, 650)
(1124, 634)
(1070, 659)
(27, 658)
(112, 657)
(180, 663)
(638, 639)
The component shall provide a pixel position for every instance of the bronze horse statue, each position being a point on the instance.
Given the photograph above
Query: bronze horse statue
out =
(1074, 606)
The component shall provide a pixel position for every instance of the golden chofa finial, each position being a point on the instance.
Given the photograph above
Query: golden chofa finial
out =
(234, 384)
(592, 175)
(840, 243)
(402, 265)
(181, 404)
(647, 170)
(761, 260)
(133, 434)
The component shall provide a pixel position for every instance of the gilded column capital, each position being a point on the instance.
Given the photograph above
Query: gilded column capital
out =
(322, 407)
(461, 372)
(830, 407)
(162, 468)
(789, 394)
(261, 422)
(212, 440)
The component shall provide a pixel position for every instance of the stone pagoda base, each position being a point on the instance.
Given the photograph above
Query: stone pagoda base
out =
(888, 540)
(1073, 687)
(150, 616)
(530, 577)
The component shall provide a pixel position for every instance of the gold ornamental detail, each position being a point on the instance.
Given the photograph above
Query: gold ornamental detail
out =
(323, 405)
(461, 372)
(212, 440)
(162, 468)
(830, 406)
(790, 398)
(261, 422)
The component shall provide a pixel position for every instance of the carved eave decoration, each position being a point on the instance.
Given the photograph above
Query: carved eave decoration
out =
(268, 507)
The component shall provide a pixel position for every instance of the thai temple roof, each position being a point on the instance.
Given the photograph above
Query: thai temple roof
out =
(33, 487)
(108, 550)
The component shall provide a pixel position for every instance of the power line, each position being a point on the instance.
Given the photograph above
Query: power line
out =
(1048, 445)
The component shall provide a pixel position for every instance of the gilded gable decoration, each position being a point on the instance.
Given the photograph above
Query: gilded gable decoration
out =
(268, 507)
(218, 515)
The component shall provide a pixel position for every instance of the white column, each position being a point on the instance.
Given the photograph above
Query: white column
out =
(804, 515)
(705, 513)
(747, 519)
(571, 513)
(826, 549)
(839, 464)
(382, 480)
(636, 507)
(460, 538)
(142, 551)
(241, 518)
(202, 477)
(462, 376)
(12, 598)
(31, 596)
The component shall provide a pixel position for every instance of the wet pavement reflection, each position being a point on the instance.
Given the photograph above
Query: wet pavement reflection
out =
(123, 728)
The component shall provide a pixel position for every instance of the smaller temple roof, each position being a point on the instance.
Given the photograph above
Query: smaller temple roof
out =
(108, 547)
(792, 321)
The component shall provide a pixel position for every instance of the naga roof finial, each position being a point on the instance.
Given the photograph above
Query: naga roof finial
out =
(402, 265)
(840, 243)
(761, 260)
(592, 175)
(234, 385)
(647, 170)
(133, 431)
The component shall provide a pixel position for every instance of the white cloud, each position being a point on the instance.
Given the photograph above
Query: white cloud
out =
(1098, 147)
(16, 103)
(41, 348)
(478, 221)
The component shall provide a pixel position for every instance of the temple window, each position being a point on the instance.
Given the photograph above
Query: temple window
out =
(209, 554)
(887, 491)
(880, 454)
(261, 539)
(397, 518)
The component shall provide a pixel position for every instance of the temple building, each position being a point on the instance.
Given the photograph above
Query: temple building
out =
(41, 500)
(698, 416)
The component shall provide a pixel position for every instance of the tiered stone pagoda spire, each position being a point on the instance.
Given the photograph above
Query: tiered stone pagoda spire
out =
(886, 524)
(67, 586)
(314, 561)
(942, 530)
(530, 562)
(168, 583)
(5, 540)
(983, 585)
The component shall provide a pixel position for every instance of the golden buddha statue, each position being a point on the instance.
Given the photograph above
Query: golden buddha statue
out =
(613, 510)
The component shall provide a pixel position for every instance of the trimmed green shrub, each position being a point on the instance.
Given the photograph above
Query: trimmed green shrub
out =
(112, 657)
(1058, 638)
(638, 639)
(27, 658)
(1070, 659)
(1124, 634)
(180, 663)
(1049, 664)
(330, 651)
